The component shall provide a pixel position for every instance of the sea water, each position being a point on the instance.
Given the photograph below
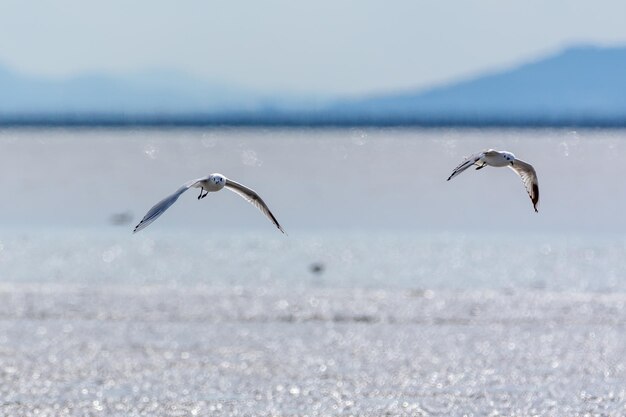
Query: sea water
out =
(367, 207)
(394, 292)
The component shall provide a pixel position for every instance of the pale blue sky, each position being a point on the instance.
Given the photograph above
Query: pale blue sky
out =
(322, 46)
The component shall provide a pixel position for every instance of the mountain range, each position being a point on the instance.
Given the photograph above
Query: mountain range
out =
(154, 92)
(579, 84)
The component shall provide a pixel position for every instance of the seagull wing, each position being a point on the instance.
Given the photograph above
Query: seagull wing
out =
(469, 161)
(253, 198)
(160, 207)
(529, 178)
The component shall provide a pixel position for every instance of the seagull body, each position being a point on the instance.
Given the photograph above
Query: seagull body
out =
(495, 158)
(210, 183)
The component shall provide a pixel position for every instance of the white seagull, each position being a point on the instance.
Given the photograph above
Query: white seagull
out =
(495, 158)
(210, 183)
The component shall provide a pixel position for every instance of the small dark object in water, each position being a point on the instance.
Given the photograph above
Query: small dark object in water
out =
(121, 219)
(317, 267)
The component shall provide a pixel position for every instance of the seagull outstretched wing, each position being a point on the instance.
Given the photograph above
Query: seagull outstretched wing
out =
(529, 178)
(468, 162)
(253, 198)
(160, 207)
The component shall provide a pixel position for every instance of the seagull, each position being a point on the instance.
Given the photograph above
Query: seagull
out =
(210, 183)
(495, 158)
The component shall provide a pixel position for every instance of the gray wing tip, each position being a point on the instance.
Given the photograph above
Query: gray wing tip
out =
(142, 225)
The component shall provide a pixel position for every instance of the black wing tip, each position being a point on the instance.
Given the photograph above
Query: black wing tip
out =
(535, 203)
(536, 194)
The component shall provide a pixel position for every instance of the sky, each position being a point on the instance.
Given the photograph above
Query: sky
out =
(322, 47)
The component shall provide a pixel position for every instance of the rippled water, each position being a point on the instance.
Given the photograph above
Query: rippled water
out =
(380, 260)
(395, 292)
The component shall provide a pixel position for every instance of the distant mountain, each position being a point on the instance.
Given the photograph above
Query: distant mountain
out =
(579, 83)
(155, 92)
(582, 85)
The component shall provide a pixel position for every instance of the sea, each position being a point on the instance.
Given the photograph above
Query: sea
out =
(365, 208)
(393, 291)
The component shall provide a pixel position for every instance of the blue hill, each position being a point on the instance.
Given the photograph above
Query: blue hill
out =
(155, 92)
(579, 83)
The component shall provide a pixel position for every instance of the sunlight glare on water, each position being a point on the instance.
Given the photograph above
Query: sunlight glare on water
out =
(395, 291)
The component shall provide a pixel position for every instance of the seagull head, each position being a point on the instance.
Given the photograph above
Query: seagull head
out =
(510, 158)
(218, 179)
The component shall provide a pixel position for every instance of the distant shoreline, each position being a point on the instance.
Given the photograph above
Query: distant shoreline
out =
(186, 121)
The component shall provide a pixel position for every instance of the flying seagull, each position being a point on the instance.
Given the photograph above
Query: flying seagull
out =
(495, 158)
(211, 183)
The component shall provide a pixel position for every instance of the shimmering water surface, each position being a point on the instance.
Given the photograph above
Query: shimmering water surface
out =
(394, 293)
